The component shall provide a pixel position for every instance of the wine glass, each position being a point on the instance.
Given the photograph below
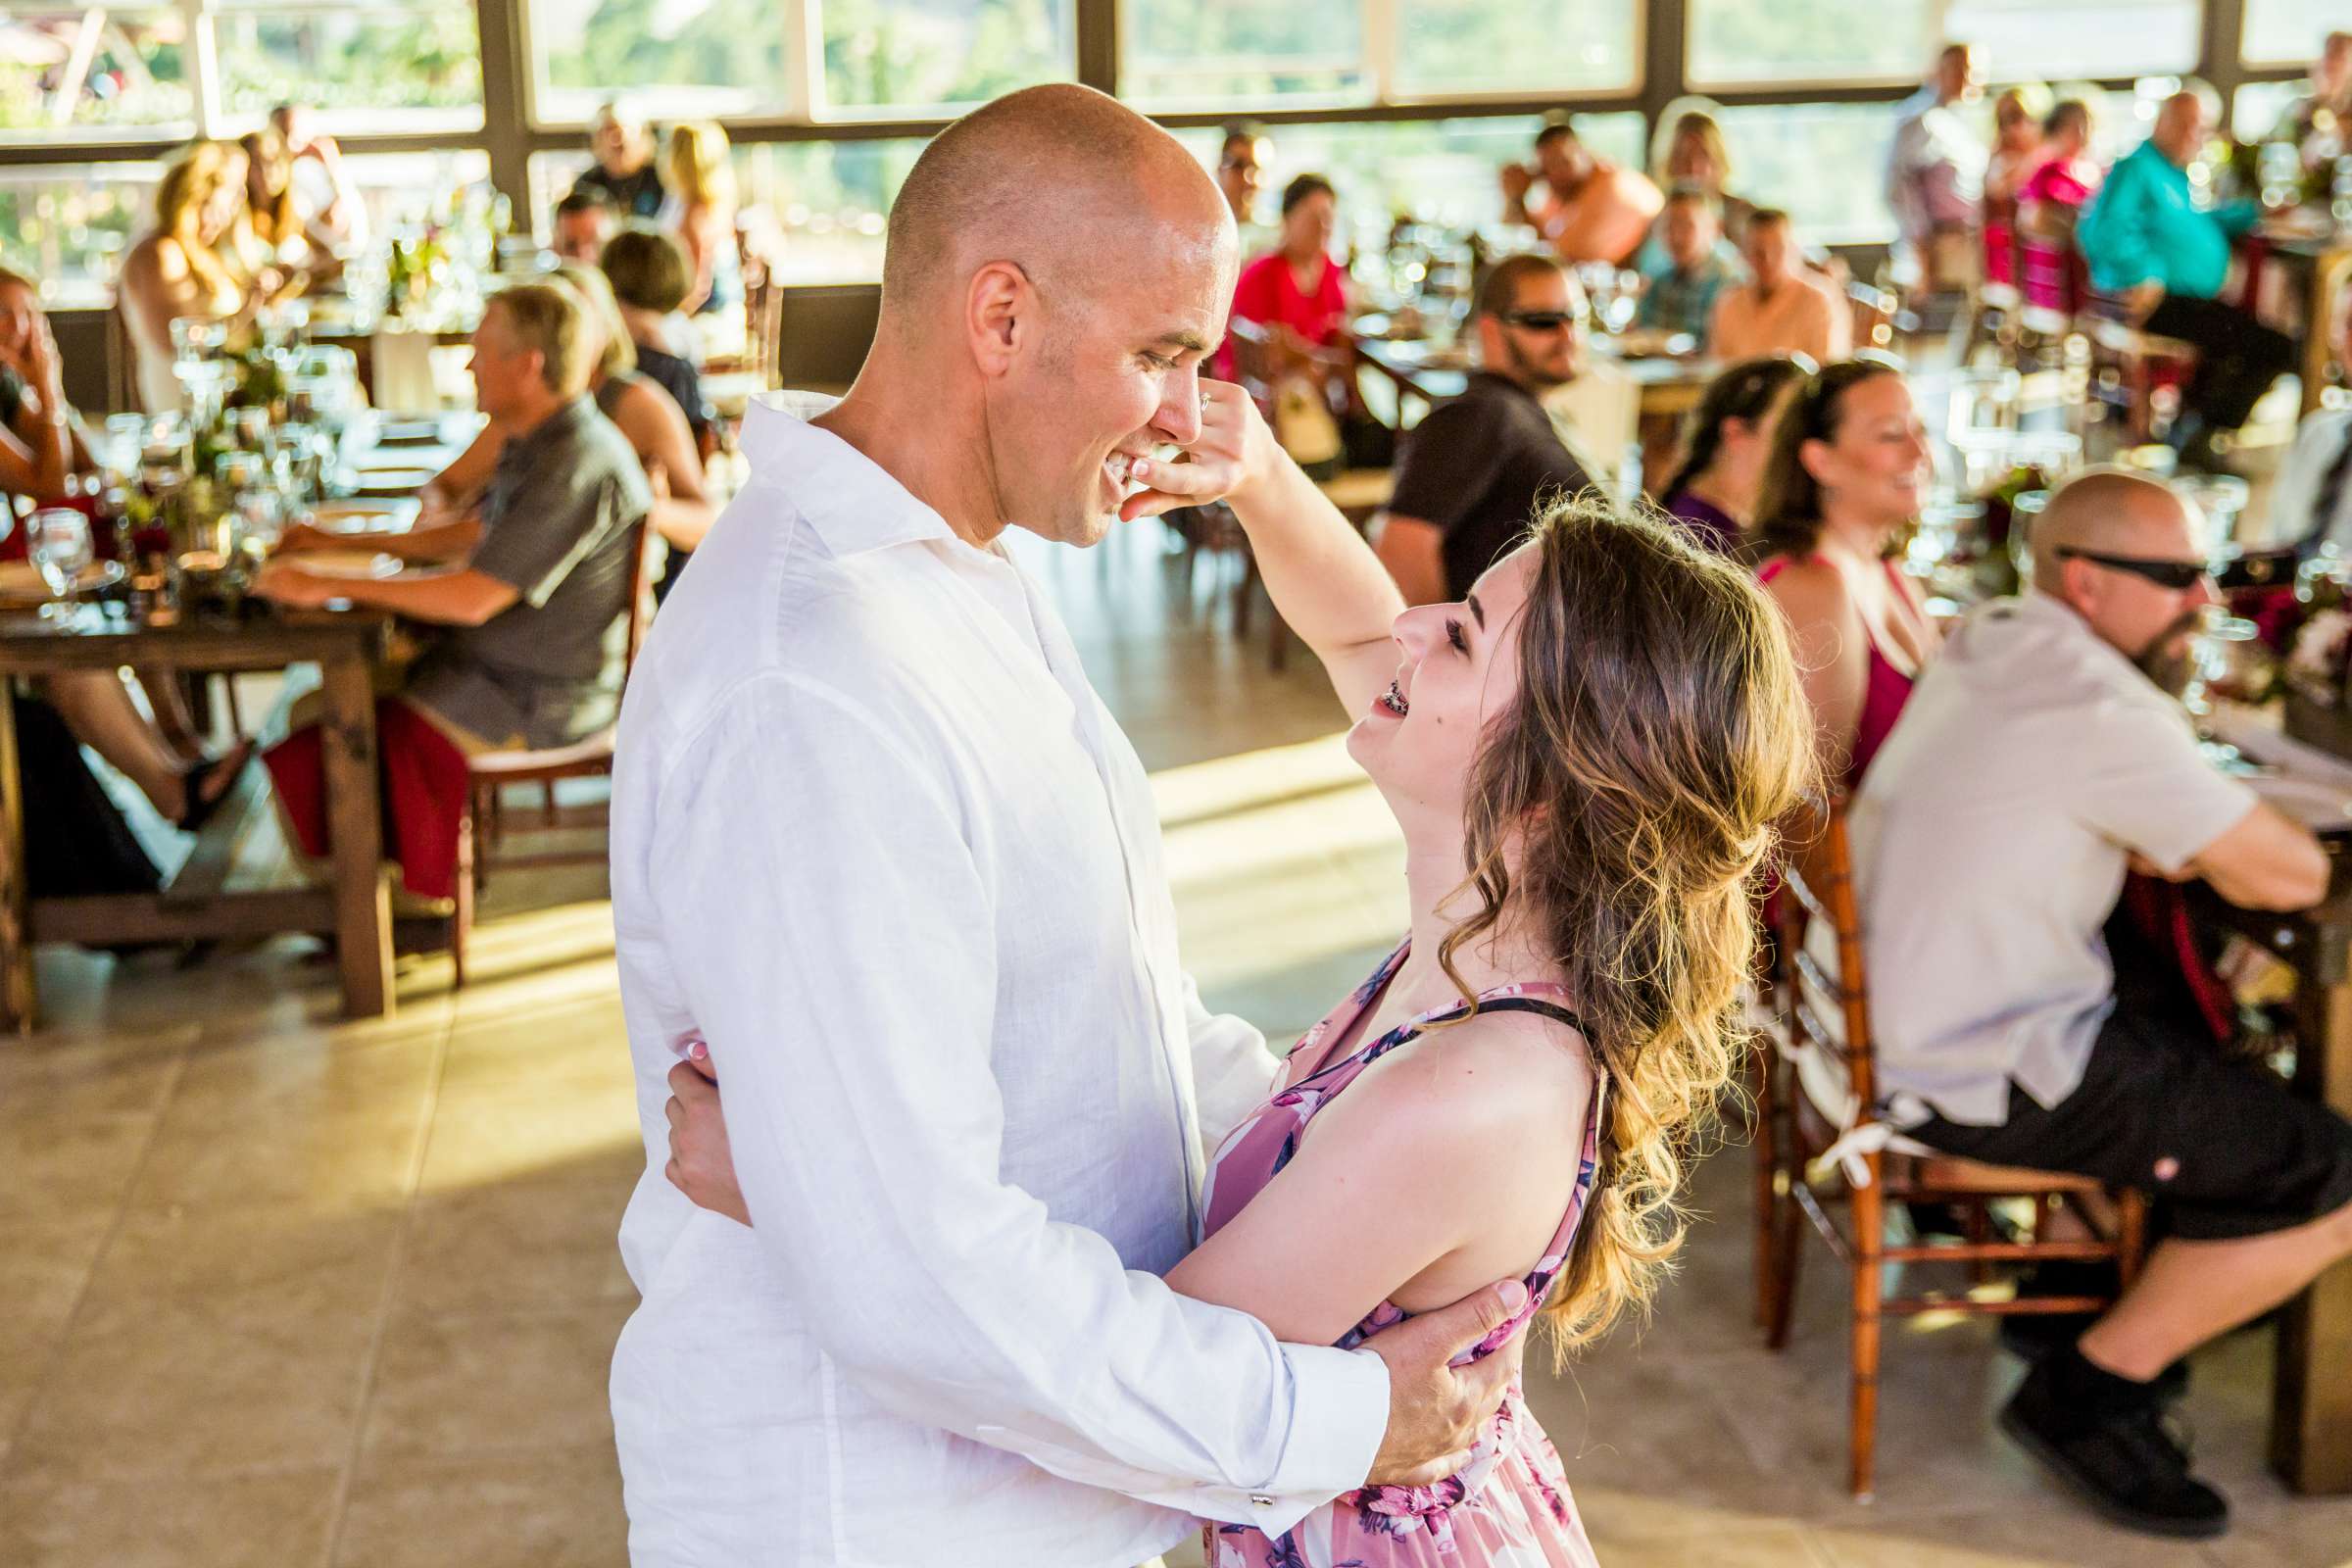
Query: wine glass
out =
(58, 542)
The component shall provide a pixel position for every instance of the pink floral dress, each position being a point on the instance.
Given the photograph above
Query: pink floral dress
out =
(1509, 1507)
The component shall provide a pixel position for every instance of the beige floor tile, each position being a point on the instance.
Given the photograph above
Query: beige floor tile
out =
(359, 1157)
(77, 1165)
(519, 1247)
(272, 1521)
(291, 1262)
(485, 1138)
(1770, 1546)
(559, 1509)
(311, 1070)
(2032, 1536)
(212, 1386)
(451, 1386)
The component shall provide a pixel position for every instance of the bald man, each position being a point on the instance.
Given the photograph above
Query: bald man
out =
(878, 842)
(2023, 1019)
(2147, 238)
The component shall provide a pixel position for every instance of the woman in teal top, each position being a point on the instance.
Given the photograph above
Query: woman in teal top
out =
(2147, 240)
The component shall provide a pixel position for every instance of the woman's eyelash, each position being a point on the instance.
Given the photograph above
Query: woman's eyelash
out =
(1453, 635)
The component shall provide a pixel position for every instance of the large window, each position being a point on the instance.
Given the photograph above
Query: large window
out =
(2035, 40)
(1825, 163)
(1220, 54)
(378, 67)
(65, 226)
(1761, 41)
(2289, 31)
(715, 59)
(95, 73)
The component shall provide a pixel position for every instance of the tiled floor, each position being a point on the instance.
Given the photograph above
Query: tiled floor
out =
(278, 1291)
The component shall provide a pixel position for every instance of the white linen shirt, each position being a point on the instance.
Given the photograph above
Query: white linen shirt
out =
(1990, 837)
(2293, 517)
(876, 838)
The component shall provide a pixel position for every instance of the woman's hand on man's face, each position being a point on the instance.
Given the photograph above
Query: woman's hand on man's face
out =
(1232, 450)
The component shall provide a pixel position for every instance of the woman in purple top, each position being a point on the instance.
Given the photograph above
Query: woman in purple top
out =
(1713, 492)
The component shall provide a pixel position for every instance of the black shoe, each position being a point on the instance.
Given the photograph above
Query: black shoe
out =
(2114, 1453)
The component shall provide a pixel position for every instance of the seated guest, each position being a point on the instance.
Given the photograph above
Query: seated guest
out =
(1713, 492)
(1850, 467)
(1299, 292)
(2329, 94)
(2147, 240)
(650, 275)
(1935, 176)
(2311, 500)
(1590, 209)
(1681, 294)
(1695, 153)
(2018, 1023)
(584, 225)
(699, 206)
(1242, 163)
(654, 426)
(42, 441)
(2017, 152)
(2049, 205)
(326, 201)
(531, 631)
(181, 267)
(623, 174)
(1472, 472)
(1782, 307)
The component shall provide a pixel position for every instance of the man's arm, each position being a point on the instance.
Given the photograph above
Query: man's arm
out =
(2268, 860)
(852, 1030)
(466, 598)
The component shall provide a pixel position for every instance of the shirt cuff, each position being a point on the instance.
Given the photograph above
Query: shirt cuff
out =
(1339, 1415)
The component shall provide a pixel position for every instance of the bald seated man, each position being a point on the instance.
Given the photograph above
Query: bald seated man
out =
(2023, 1018)
(878, 842)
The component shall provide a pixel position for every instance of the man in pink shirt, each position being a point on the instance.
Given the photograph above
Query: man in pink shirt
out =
(1591, 210)
(1783, 309)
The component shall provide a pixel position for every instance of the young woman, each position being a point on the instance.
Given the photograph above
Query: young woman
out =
(699, 208)
(1713, 493)
(1586, 757)
(1297, 291)
(1848, 469)
(2017, 116)
(2050, 204)
(180, 269)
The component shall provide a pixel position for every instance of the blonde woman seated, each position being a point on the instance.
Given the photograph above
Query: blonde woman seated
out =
(651, 420)
(699, 208)
(186, 265)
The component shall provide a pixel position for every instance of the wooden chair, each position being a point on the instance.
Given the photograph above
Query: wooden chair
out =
(2145, 373)
(488, 774)
(1807, 1163)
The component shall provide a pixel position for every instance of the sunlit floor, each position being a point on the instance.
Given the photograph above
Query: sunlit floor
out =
(279, 1291)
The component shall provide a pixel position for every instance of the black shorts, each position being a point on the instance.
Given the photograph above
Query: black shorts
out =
(2223, 1145)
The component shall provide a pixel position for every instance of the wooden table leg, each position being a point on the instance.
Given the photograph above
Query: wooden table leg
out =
(2311, 1416)
(355, 838)
(19, 1006)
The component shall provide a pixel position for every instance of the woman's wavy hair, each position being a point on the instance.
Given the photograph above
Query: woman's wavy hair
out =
(1789, 515)
(187, 189)
(1746, 391)
(1622, 809)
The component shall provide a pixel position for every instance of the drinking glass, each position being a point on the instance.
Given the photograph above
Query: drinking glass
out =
(58, 541)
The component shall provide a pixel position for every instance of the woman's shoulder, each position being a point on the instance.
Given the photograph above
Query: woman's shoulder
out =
(1489, 1081)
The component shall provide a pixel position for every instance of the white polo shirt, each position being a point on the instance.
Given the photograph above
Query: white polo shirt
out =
(1989, 841)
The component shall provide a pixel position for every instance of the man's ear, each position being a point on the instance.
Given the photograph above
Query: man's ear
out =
(999, 316)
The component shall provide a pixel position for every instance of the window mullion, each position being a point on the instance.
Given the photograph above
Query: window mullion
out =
(203, 67)
(1380, 48)
(803, 60)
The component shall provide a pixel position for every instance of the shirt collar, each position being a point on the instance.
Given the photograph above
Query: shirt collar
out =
(560, 427)
(852, 501)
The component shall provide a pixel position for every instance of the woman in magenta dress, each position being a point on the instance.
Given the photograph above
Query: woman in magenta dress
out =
(1586, 758)
(2049, 205)
(1849, 469)
(2016, 150)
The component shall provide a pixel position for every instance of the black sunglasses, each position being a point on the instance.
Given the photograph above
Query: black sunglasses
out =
(1540, 320)
(2177, 576)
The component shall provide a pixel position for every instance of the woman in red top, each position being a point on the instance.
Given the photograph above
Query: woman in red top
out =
(1296, 292)
(2049, 205)
(2017, 118)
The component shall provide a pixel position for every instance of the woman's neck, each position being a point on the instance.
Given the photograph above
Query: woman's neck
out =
(1854, 538)
(1710, 488)
(1500, 956)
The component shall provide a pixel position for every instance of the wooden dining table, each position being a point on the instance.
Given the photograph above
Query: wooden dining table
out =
(196, 904)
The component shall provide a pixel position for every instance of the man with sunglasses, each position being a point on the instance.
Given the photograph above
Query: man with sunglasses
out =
(2029, 1011)
(1470, 474)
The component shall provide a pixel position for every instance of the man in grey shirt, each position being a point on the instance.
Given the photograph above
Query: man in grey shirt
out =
(2017, 1023)
(535, 623)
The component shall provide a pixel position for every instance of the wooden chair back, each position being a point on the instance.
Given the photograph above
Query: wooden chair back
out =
(1818, 884)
